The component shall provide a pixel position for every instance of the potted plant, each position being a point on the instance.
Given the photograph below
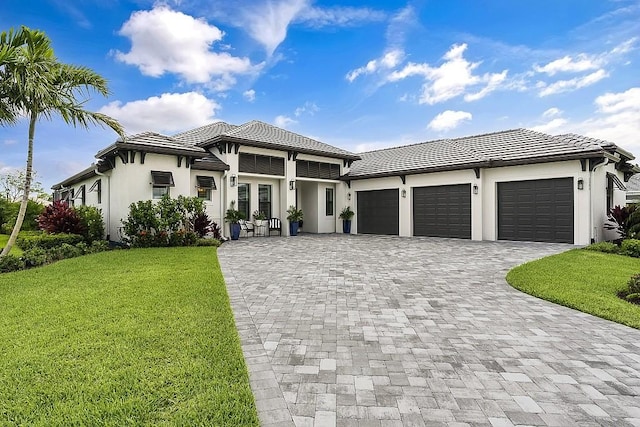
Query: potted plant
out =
(258, 218)
(233, 217)
(294, 216)
(346, 216)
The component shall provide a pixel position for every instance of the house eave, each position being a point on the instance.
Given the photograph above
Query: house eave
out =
(79, 177)
(113, 148)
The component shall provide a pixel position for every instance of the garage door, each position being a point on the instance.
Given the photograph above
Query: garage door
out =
(442, 211)
(536, 211)
(378, 212)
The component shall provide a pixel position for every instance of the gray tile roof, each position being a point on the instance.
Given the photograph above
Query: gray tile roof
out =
(203, 133)
(260, 134)
(586, 140)
(210, 163)
(155, 142)
(516, 146)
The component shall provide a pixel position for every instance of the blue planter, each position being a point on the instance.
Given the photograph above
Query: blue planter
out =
(346, 226)
(235, 231)
(293, 228)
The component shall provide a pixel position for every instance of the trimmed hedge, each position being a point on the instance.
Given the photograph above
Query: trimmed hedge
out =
(37, 256)
(47, 241)
(631, 247)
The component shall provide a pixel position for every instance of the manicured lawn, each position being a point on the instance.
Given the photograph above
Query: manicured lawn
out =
(585, 280)
(130, 337)
(4, 238)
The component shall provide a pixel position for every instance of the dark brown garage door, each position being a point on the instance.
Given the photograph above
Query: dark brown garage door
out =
(442, 211)
(536, 211)
(378, 212)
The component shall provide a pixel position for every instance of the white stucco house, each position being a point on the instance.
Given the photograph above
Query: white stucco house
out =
(511, 185)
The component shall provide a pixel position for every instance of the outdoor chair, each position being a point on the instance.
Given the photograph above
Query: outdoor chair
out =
(247, 227)
(275, 225)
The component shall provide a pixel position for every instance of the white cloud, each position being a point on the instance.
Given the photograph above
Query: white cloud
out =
(551, 112)
(568, 64)
(309, 108)
(164, 40)
(10, 141)
(284, 121)
(249, 95)
(389, 60)
(450, 79)
(619, 102)
(552, 127)
(448, 120)
(572, 84)
(170, 112)
(317, 17)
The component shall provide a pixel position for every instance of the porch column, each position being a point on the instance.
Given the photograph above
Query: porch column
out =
(287, 196)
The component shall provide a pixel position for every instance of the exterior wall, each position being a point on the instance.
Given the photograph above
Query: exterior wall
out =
(213, 207)
(308, 202)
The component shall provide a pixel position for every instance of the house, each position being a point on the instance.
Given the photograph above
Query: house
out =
(510, 185)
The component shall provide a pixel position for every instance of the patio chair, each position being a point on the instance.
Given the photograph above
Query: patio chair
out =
(247, 227)
(275, 225)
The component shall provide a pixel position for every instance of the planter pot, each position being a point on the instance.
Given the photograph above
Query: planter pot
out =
(346, 226)
(235, 231)
(259, 222)
(293, 228)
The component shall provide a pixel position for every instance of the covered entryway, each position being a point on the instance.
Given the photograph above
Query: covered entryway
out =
(442, 211)
(378, 212)
(537, 211)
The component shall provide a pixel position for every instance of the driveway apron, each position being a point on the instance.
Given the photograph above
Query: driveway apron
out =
(385, 331)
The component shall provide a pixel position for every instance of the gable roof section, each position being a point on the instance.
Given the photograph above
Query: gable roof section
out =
(511, 147)
(203, 133)
(264, 135)
(153, 143)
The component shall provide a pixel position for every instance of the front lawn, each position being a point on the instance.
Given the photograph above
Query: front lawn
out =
(129, 337)
(4, 238)
(585, 280)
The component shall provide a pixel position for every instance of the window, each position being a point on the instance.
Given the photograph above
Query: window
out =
(205, 185)
(308, 169)
(161, 182)
(613, 180)
(97, 187)
(329, 202)
(244, 194)
(264, 199)
(80, 194)
(255, 163)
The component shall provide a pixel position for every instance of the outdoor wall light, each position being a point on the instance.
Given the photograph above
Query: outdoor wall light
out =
(404, 193)
(292, 185)
(349, 196)
(580, 184)
(475, 188)
(233, 180)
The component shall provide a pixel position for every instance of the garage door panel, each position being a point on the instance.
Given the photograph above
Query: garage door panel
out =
(378, 212)
(442, 211)
(537, 210)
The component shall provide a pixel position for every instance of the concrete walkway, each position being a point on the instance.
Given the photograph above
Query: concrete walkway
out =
(385, 331)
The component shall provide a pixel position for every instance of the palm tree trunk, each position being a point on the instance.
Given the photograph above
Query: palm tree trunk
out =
(27, 188)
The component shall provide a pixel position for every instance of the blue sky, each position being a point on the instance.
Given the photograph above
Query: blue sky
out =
(360, 75)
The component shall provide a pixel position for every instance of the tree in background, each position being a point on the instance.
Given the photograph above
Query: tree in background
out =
(12, 186)
(33, 83)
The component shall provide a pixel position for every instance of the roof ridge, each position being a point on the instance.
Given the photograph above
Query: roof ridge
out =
(276, 127)
(202, 127)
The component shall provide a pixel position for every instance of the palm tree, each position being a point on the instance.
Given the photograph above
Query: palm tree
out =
(34, 84)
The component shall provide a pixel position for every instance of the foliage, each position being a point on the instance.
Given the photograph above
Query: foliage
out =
(233, 215)
(630, 247)
(216, 232)
(347, 213)
(35, 257)
(622, 219)
(606, 247)
(34, 84)
(59, 217)
(155, 335)
(30, 223)
(11, 263)
(634, 284)
(12, 186)
(170, 222)
(47, 241)
(208, 242)
(294, 214)
(259, 215)
(91, 221)
(202, 224)
(588, 281)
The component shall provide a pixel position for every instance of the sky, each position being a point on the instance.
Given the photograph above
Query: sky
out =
(360, 75)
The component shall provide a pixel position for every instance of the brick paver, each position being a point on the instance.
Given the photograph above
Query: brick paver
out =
(373, 330)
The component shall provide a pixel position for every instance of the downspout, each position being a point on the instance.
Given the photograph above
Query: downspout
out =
(108, 201)
(592, 227)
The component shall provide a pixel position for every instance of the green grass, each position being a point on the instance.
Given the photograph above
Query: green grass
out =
(4, 238)
(131, 337)
(585, 280)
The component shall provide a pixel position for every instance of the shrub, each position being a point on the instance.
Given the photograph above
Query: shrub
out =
(69, 251)
(634, 284)
(634, 298)
(92, 222)
(141, 223)
(208, 242)
(10, 263)
(97, 246)
(60, 218)
(631, 247)
(36, 257)
(215, 231)
(10, 214)
(201, 224)
(46, 241)
(606, 247)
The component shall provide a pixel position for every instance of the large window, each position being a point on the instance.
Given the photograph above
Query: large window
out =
(206, 185)
(264, 199)
(244, 194)
(329, 201)
(160, 191)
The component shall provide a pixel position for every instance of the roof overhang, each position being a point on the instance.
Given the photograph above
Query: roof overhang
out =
(128, 146)
(74, 179)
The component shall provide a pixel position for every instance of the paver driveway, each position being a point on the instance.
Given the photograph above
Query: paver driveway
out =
(370, 330)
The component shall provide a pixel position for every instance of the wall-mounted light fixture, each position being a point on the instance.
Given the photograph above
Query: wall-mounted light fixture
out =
(403, 193)
(475, 188)
(292, 185)
(233, 180)
(580, 184)
(349, 196)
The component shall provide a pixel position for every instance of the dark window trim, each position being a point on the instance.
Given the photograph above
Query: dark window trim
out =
(260, 164)
(267, 211)
(97, 187)
(162, 179)
(207, 182)
(329, 208)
